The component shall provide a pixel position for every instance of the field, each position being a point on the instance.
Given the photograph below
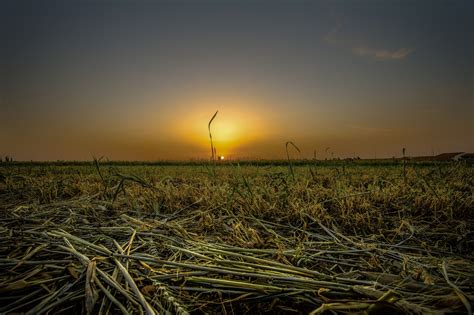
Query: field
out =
(334, 237)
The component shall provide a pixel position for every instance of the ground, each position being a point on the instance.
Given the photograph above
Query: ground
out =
(344, 237)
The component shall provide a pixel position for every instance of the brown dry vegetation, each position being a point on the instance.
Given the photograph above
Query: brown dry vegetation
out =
(158, 239)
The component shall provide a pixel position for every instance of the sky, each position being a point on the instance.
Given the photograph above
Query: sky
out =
(139, 80)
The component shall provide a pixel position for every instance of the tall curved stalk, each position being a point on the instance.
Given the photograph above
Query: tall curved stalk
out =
(213, 149)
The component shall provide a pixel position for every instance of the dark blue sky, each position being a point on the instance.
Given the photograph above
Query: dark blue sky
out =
(140, 79)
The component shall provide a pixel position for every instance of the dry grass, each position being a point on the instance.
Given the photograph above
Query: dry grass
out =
(147, 239)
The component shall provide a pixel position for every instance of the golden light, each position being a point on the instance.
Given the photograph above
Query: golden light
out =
(233, 126)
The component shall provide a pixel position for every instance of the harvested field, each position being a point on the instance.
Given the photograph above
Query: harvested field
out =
(341, 238)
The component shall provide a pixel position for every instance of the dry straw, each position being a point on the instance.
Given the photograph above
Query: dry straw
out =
(358, 241)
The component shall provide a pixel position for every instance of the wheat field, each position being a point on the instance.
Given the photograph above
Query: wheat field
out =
(325, 237)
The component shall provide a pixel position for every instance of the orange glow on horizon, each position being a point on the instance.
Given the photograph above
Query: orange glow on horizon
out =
(230, 129)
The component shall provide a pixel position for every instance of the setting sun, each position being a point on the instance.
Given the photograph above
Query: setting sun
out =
(230, 129)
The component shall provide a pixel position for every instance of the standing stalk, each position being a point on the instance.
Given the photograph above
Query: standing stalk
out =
(213, 149)
(288, 156)
(404, 167)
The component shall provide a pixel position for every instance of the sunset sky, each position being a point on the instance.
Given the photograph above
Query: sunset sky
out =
(139, 80)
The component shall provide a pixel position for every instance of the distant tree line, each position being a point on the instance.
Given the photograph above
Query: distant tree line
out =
(7, 159)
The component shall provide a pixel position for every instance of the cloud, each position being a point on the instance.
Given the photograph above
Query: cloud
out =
(382, 54)
(364, 50)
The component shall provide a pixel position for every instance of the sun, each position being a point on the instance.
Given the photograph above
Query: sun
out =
(233, 127)
(227, 132)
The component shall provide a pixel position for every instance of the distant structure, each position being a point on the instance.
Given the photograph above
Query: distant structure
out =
(468, 157)
(449, 156)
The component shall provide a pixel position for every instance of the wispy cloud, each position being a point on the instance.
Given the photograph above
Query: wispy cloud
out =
(382, 54)
(366, 50)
